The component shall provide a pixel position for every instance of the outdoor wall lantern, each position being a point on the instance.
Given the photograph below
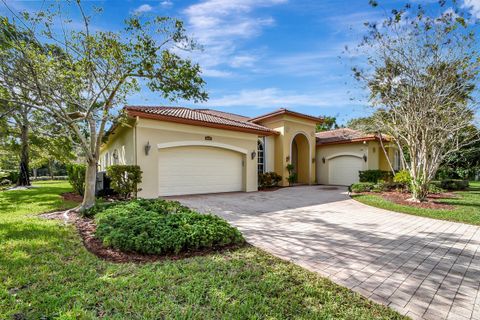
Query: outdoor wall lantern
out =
(323, 159)
(253, 154)
(365, 157)
(147, 148)
(287, 159)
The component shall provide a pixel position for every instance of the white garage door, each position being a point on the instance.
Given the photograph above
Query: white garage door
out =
(343, 170)
(193, 170)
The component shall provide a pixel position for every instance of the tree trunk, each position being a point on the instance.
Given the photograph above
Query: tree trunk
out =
(24, 176)
(419, 191)
(90, 182)
(50, 168)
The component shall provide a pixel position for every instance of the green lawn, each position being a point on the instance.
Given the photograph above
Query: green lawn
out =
(46, 273)
(467, 206)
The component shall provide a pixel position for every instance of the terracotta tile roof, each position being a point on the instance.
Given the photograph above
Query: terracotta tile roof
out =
(223, 114)
(344, 135)
(286, 111)
(197, 117)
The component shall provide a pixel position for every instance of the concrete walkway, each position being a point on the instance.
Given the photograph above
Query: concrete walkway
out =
(423, 268)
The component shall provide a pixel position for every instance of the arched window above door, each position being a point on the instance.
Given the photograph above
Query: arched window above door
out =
(261, 156)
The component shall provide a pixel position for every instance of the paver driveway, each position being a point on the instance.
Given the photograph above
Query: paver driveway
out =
(421, 267)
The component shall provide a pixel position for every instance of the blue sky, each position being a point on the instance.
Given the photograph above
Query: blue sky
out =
(260, 55)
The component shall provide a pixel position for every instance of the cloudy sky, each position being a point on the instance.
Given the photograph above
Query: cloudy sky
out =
(260, 55)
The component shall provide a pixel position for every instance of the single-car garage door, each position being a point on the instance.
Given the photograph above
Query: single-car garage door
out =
(343, 170)
(193, 170)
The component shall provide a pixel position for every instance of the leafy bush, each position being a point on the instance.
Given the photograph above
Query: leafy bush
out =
(5, 182)
(268, 179)
(76, 177)
(454, 184)
(362, 187)
(11, 175)
(162, 227)
(434, 188)
(124, 179)
(292, 175)
(402, 177)
(374, 175)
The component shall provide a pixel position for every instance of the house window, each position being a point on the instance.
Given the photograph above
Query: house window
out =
(396, 160)
(115, 156)
(106, 164)
(261, 156)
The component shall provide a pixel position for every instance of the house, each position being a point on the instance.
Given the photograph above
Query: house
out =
(192, 151)
(342, 153)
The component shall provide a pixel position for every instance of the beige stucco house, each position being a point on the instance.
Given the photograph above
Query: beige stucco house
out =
(193, 151)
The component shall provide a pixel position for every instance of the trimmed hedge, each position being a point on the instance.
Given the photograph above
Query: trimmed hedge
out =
(124, 179)
(269, 179)
(162, 227)
(375, 175)
(454, 184)
(362, 187)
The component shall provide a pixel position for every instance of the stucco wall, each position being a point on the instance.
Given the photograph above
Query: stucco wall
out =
(288, 127)
(159, 133)
(355, 149)
(269, 153)
(121, 140)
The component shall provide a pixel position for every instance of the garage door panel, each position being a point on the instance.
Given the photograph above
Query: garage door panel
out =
(343, 170)
(193, 170)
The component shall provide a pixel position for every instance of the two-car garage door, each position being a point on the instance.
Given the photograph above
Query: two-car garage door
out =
(196, 169)
(343, 170)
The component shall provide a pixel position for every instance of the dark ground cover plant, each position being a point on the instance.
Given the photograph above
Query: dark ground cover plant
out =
(362, 187)
(162, 227)
(375, 175)
(268, 180)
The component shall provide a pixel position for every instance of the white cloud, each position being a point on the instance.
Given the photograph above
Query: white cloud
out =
(276, 98)
(166, 4)
(473, 6)
(241, 61)
(143, 9)
(220, 26)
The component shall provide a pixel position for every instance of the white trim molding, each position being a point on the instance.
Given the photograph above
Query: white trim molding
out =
(201, 144)
(343, 154)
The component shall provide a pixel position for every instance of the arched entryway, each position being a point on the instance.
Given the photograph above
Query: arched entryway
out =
(300, 157)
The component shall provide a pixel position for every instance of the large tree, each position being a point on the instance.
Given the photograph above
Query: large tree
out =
(77, 75)
(421, 72)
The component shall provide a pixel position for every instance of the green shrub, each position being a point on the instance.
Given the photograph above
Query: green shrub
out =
(362, 187)
(454, 184)
(162, 227)
(10, 175)
(76, 177)
(5, 182)
(374, 175)
(434, 188)
(402, 177)
(268, 179)
(124, 179)
(292, 175)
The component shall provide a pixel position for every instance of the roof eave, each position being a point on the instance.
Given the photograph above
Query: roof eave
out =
(351, 141)
(287, 112)
(141, 114)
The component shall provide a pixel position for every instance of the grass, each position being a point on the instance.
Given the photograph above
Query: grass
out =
(45, 272)
(467, 206)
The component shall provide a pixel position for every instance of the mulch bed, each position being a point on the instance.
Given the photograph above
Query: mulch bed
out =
(431, 203)
(86, 229)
